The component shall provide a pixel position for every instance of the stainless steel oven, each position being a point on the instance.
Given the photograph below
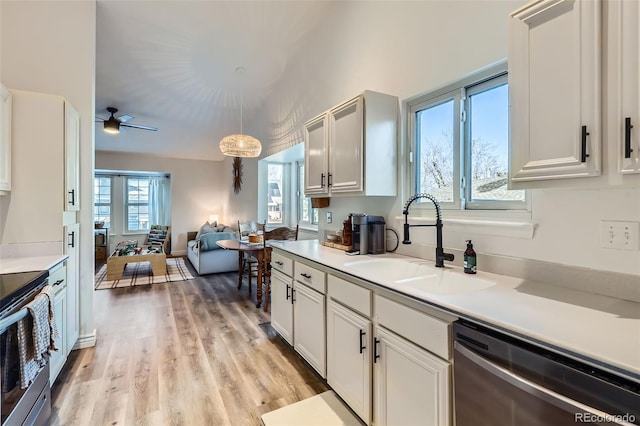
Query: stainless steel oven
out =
(31, 405)
(502, 381)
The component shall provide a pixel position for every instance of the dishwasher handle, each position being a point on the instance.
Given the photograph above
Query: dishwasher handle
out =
(554, 398)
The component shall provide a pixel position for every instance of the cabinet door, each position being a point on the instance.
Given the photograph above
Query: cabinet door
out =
(349, 358)
(72, 157)
(315, 156)
(346, 147)
(309, 326)
(58, 358)
(554, 91)
(281, 305)
(5, 140)
(411, 384)
(72, 331)
(628, 37)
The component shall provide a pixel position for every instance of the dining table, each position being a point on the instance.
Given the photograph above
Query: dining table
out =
(245, 247)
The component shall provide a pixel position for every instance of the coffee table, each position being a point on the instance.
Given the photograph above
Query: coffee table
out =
(116, 264)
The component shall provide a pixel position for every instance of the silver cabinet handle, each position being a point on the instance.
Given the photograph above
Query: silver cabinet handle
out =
(567, 404)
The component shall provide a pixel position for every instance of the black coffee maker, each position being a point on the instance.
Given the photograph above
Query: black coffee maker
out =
(368, 234)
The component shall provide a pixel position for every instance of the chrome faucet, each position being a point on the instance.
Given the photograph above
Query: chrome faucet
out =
(441, 256)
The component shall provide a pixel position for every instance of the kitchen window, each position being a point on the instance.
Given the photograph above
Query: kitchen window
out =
(459, 139)
(275, 183)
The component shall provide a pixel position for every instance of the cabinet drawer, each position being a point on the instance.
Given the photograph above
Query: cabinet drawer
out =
(424, 330)
(58, 276)
(310, 276)
(282, 263)
(352, 295)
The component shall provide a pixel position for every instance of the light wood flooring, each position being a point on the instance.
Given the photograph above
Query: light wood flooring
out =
(195, 352)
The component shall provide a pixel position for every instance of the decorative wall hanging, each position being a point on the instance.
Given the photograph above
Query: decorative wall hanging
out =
(237, 174)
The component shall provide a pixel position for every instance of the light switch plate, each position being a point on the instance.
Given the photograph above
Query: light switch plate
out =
(620, 235)
(329, 217)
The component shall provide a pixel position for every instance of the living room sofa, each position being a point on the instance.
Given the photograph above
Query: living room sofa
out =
(205, 255)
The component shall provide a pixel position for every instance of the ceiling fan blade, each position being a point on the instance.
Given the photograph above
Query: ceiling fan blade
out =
(99, 119)
(125, 117)
(138, 126)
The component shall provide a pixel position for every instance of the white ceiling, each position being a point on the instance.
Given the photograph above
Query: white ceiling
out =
(172, 65)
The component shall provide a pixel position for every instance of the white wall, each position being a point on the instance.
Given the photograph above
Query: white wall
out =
(49, 47)
(407, 48)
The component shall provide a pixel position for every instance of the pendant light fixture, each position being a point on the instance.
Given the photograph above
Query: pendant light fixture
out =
(240, 145)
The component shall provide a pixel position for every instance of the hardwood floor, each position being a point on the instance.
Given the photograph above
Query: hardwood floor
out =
(196, 352)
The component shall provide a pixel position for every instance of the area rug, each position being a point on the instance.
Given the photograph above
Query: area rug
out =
(140, 273)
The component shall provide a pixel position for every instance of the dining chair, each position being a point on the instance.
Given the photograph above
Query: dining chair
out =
(280, 233)
(249, 262)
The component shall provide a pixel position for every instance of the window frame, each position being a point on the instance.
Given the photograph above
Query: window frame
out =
(127, 228)
(302, 199)
(283, 194)
(460, 90)
(109, 204)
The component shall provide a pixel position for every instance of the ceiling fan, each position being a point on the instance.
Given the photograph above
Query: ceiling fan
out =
(112, 124)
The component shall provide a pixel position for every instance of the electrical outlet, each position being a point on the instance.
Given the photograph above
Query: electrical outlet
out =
(329, 217)
(620, 235)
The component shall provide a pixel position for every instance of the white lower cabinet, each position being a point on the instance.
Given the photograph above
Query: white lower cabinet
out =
(411, 385)
(58, 282)
(309, 326)
(298, 314)
(387, 357)
(281, 306)
(349, 358)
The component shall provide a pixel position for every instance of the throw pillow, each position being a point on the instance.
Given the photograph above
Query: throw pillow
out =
(206, 229)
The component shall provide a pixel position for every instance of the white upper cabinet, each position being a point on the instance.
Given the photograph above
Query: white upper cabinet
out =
(554, 90)
(45, 136)
(351, 149)
(5, 140)
(315, 155)
(626, 15)
(72, 157)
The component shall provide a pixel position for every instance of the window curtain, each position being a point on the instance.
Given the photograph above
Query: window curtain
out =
(159, 200)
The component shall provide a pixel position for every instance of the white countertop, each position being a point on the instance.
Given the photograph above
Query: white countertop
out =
(599, 330)
(9, 265)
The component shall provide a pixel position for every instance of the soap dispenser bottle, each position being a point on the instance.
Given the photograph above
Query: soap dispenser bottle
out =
(469, 259)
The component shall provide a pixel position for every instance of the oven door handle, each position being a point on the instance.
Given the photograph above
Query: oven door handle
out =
(554, 398)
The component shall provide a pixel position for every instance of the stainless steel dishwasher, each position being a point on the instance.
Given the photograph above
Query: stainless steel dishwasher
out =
(502, 381)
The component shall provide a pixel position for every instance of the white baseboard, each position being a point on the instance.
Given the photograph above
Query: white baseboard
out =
(175, 253)
(86, 341)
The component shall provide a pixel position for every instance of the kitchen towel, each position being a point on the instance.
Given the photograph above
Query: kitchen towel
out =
(10, 359)
(44, 328)
(29, 367)
(36, 333)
